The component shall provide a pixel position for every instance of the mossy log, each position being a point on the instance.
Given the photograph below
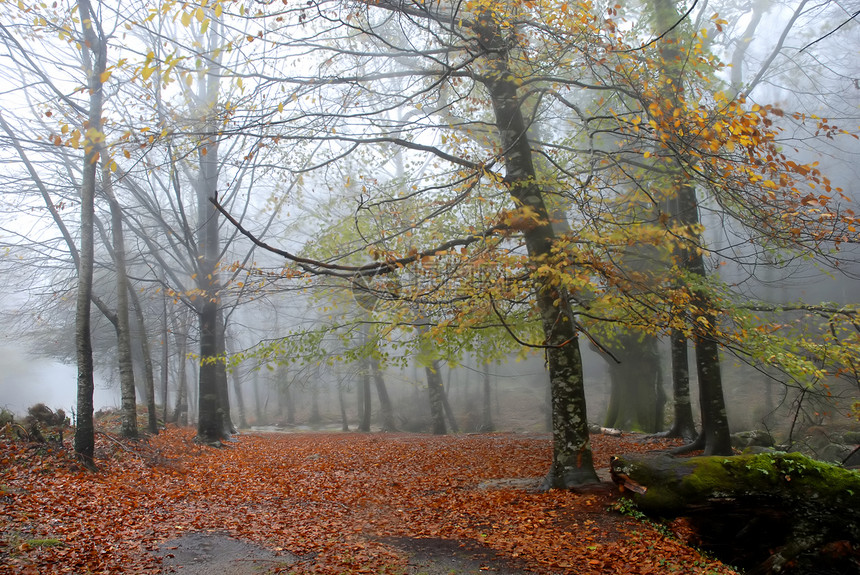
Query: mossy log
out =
(768, 512)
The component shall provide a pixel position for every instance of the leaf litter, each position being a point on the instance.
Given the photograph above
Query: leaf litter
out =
(328, 503)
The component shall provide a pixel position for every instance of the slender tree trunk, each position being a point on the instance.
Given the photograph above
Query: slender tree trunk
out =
(128, 427)
(221, 377)
(258, 405)
(95, 57)
(180, 334)
(165, 357)
(487, 405)
(449, 413)
(365, 400)
(343, 417)
(240, 402)
(683, 425)
(715, 430)
(148, 371)
(436, 393)
(572, 463)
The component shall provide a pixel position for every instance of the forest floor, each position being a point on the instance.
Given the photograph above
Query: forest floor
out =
(331, 503)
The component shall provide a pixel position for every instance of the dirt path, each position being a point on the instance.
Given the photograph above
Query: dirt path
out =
(216, 552)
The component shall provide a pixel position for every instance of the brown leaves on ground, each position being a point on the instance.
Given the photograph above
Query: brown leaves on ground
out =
(331, 499)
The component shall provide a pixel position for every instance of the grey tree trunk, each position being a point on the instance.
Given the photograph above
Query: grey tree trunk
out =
(683, 425)
(572, 463)
(148, 371)
(365, 399)
(128, 394)
(683, 210)
(436, 392)
(95, 56)
(385, 407)
(487, 424)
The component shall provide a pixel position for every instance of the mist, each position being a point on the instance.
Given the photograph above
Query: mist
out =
(27, 379)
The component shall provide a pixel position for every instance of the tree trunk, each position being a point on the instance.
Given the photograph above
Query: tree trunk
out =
(165, 359)
(94, 51)
(128, 425)
(221, 376)
(385, 407)
(343, 417)
(487, 405)
(240, 402)
(683, 425)
(682, 207)
(436, 392)
(213, 422)
(637, 400)
(180, 334)
(365, 402)
(449, 413)
(258, 405)
(572, 463)
(148, 371)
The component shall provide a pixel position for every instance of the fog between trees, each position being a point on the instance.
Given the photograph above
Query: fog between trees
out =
(364, 215)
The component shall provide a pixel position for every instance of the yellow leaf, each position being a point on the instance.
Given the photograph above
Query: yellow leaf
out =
(647, 155)
(281, 107)
(112, 166)
(104, 76)
(199, 14)
(126, 153)
(218, 10)
(186, 19)
(146, 72)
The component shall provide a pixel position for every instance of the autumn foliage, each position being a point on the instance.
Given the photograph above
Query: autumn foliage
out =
(331, 499)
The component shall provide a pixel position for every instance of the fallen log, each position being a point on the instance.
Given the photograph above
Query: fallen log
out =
(769, 512)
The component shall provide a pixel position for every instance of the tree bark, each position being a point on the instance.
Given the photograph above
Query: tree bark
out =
(683, 210)
(435, 391)
(148, 371)
(385, 407)
(95, 56)
(486, 404)
(365, 399)
(572, 463)
(122, 325)
(683, 425)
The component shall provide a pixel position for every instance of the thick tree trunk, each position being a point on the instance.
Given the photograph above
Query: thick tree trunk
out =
(385, 407)
(95, 58)
(683, 425)
(637, 400)
(572, 463)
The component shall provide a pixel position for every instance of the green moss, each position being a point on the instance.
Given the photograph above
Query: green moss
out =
(674, 483)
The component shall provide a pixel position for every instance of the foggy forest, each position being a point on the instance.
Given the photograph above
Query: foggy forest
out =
(408, 286)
